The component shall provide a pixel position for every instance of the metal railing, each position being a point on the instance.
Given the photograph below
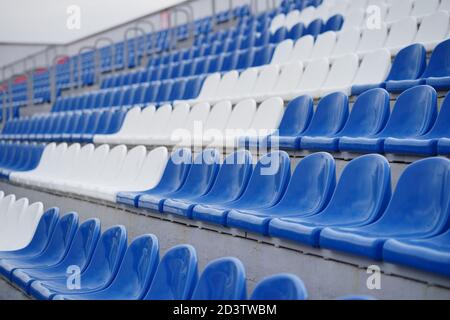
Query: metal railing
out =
(126, 48)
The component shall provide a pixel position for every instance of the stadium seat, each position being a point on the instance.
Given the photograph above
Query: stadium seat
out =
(55, 251)
(361, 196)
(423, 7)
(288, 79)
(265, 188)
(134, 275)
(226, 86)
(98, 273)
(131, 119)
(354, 18)
(425, 144)
(421, 203)
(401, 34)
(176, 275)
(183, 135)
(330, 117)
(437, 73)
(372, 72)
(81, 248)
(280, 287)
(244, 85)
(209, 88)
(231, 181)
(433, 29)
(282, 52)
(302, 49)
(313, 78)
(222, 279)
(402, 123)
(340, 77)
(372, 39)
(399, 9)
(324, 45)
(305, 195)
(199, 181)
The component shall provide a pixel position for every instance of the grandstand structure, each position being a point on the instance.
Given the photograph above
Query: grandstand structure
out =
(286, 149)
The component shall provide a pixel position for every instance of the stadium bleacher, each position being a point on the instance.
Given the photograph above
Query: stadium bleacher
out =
(304, 126)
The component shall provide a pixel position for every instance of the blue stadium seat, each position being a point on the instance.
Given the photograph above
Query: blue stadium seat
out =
(308, 192)
(409, 64)
(437, 73)
(98, 274)
(330, 117)
(198, 182)
(134, 275)
(222, 279)
(229, 185)
(79, 254)
(425, 144)
(402, 123)
(444, 146)
(262, 56)
(55, 251)
(296, 32)
(333, 23)
(90, 126)
(416, 211)
(176, 275)
(361, 196)
(280, 287)
(172, 179)
(314, 28)
(264, 189)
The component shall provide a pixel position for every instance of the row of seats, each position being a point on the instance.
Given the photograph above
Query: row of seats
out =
(110, 269)
(96, 172)
(77, 126)
(306, 206)
(202, 125)
(413, 127)
(18, 157)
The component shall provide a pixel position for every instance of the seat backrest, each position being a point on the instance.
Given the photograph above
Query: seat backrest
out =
(402, 33)
(138, 267)
(267, 117)
(433, 27)
(409, 63)
(11, 219)
(399, 9)
(66, 162)
(245, 83)
(292, 18)
(5, 205)
(353, 18)
(302, 48)
(210, 85)
(342, 71)
(297, 116)
(158, 121)
(441, 127)
(420, 204)
(145, 120)
(267, 78)
(403, 122)
(217, 118)
(95, 164)
(330, 116)
(222, 279)
(315, 74)
(374, 67)
(112, 164)
(280, 287)
(176, 275)
(424, 7)
(439, 64)
(372, 39)
(241, 117)
(307, 15)
(54, 161)
(198, 115)
(227, 84)
(445, 5)
(152, 169)
(107, 256)
(130, 168)
(324, 45)
(177, 119)
(277, 22)
(131, 119)
(27, 225)
(289, 77)
(282, 52)
(369, 114)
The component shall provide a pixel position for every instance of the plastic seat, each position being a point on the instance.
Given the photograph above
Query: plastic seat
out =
(295, 121)
(282, 52)
(209, 87)
(98, 274)
(296, 32)
(288, 80)
(266, 81)
(423, 7)
(292, 19)
(425, 144)
(265, 188)
(313, 78)
(445, 5)
(433, 29)
(199, 181)
(437, 73)
(407, 67)
(416, 211)
(444, 146)
(399, 9)
(138, 127)
(372, 39)
(280, 287)
(56, 249)
(307, 15)
(305, 195)
(372, 72)
(176, 275)
(134, 275)
(324, 45)
(231, 181)
(314, 28)
(431, 254)
(402, 34)
(277, 22)
(302, 49)
(402, 123)
(361, 196)
(244, 84)
(222, 279)
(153, 125)
(353, 18)
(131, 119)
(341, 75)
(226, 86)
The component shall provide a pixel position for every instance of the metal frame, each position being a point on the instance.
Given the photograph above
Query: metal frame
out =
(97, 66)
(136, 45)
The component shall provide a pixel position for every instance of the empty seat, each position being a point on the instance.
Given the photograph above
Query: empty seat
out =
(307, 15)
(226, 86)
(307, 193)
(313, 78)
(347, 42)
(265, 188)
(288, 80)
(399, 9)
(302, 49)
(129, 123)
(416, 211)
(433, 29)
(402, 123)
(280, 287)
(277, 22)
(324, 45)
(267, 78)
(282, 52)
(423, 7)
(437, 73)
(209, 87)
(402, 34)
(353, 18)
(424, 144)
(222, 279)
(352, 204)
(244, 85)
(340, 77)
(372, 39)
(197, 117)
(372, 72)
